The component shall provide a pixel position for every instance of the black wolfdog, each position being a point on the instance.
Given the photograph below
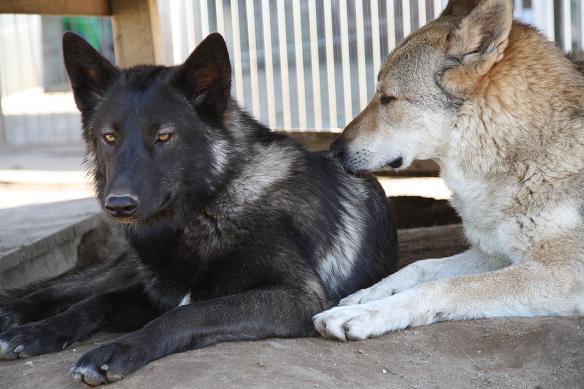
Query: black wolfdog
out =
(236, 232)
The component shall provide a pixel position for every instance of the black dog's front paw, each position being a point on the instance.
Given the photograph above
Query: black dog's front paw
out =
(108, 363)
(28, 340)
(7, 319)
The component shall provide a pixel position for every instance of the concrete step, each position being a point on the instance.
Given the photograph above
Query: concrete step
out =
(45, 240)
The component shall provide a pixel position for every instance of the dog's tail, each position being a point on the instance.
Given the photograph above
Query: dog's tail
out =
(577, 58)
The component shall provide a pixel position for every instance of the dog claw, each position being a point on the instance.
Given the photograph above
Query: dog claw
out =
(113, 377)
(104, 367)
(18, 349)
(77, 377)
(91, 380)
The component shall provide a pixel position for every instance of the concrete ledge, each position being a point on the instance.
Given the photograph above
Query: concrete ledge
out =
(42, 241)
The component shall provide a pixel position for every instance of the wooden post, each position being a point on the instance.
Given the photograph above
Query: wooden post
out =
(60, 7)
(136, 29)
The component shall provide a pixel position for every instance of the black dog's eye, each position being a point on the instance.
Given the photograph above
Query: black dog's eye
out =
(385, 99)
(165, 133)
(109, 138)
(164, 137)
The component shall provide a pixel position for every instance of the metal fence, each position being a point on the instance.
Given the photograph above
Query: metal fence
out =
(297, 64)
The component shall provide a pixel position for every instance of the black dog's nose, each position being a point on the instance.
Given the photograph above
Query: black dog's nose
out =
(338, 150)
(121, 206)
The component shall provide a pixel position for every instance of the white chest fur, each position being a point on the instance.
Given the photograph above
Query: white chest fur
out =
(495, 223)
(481, 209)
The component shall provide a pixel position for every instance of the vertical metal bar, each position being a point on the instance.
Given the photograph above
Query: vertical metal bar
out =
(266, 23)
(390, 26)
(204, 9)
(566, 25)
(406, 17)
(375, 36)
(550, 19)
(253, 58)
(220, 17)
(175, 26)
(421, 13)
(518, 6)
(330, 63)
(189, 23)
(437, 8)
(345, 62)
(300, 88)
(237, 52)
(315, 64)
(361, 54)
(581, 25)
(284, 64)
(543, 14)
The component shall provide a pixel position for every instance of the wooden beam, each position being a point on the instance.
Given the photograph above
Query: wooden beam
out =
(430, 242)
(312, 140)
(56, 7)
(136, 29)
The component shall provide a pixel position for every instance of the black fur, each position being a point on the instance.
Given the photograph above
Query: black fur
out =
(261, 233)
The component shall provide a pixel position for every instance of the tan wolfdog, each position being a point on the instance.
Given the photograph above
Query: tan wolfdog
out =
(502, 110)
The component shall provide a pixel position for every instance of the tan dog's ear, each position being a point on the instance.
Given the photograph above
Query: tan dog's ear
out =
(459, 7)
(476, 45)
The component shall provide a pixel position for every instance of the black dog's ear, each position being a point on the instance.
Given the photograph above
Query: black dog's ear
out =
(90, 73)
(205, 77)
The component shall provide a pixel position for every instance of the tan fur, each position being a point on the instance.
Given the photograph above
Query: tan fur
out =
(364, 122)
(459, 8)
(478, 43)
(502, 110)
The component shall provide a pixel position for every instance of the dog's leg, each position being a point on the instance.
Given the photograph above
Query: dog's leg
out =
(129, 308)
(472, 261)
(247, 316)
(528, 289)
(48, 298)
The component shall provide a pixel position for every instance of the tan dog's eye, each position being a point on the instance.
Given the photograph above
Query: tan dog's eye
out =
(164, 137)
(385, 99)
(109, 138)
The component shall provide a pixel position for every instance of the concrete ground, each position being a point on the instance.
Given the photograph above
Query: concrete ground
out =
(34, 175)
(503, 353)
